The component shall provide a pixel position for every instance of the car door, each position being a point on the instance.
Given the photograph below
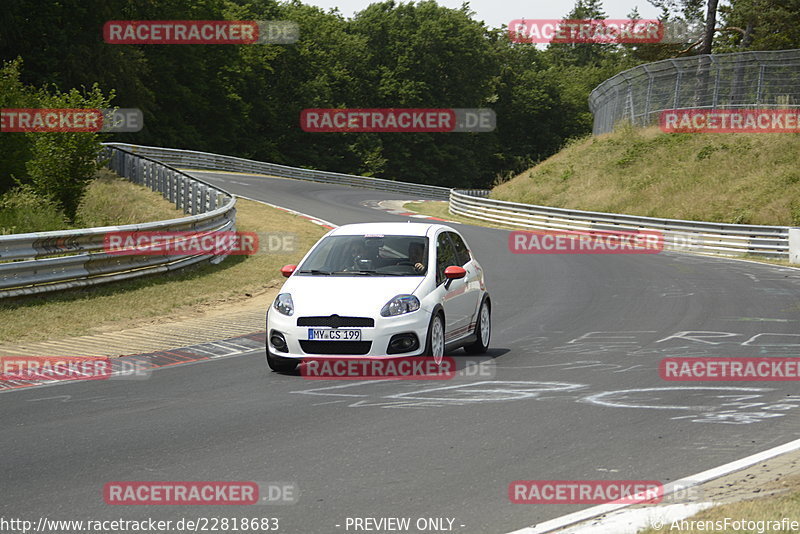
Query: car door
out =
(472, 289)
(455, 299)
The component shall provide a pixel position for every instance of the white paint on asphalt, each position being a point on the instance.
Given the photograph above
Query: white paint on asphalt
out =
(554, 525)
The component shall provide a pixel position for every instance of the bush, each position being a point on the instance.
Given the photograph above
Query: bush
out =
(56, 165)
(62, 164)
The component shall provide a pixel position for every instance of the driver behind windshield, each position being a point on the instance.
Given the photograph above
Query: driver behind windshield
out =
(416, 255)
(357, 255)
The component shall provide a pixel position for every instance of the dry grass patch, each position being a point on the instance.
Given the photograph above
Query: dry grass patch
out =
(113, 201)
(765, 514)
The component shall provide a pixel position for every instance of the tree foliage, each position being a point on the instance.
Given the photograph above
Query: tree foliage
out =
(246, 100)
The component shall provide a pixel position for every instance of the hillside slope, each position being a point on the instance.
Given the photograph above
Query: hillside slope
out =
(734, 178)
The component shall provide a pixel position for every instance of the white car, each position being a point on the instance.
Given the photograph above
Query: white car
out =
(380, 290)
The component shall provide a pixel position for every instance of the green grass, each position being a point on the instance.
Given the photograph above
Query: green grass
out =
(23, 211)
(732, 178)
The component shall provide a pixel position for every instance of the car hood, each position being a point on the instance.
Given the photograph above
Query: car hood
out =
(359, 296)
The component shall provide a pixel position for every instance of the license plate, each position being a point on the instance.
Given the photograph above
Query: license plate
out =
(333, 334)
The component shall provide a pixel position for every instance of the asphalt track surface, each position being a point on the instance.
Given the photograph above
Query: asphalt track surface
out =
(570, 391)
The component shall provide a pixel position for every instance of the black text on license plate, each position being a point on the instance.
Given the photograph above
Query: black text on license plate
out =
(334, 334)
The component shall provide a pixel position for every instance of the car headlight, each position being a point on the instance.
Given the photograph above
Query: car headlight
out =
(283, 303)
(399, 305)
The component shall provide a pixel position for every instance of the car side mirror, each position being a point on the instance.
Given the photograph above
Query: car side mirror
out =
(454, 272)
(451, 273)
(287, 270)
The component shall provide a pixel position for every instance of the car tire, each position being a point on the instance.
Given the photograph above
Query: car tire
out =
(281, 365)
(483, 330)
(434, 346)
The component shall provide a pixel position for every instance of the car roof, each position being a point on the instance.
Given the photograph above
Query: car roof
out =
(388, 228)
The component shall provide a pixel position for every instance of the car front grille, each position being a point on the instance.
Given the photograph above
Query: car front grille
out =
(335, 321)
(351, 348)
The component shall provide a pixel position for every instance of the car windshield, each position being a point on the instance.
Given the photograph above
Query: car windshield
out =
(368, 255)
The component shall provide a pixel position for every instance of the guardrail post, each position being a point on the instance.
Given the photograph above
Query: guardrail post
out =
(794, 245)
(203, 198)
(185, 194)
(162, 181)
(139, 170)
(191, 195)
(171, 186)
(180, 196)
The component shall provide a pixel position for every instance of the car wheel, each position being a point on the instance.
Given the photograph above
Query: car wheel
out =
(435, 344)
(483, 330)
(281, 365)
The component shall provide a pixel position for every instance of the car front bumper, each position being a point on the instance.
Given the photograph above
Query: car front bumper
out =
(379, 335)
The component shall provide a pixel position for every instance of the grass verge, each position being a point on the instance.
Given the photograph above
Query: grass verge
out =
(162, 297)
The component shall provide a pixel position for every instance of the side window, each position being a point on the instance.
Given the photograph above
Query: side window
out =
(462, 252)
(445, 256)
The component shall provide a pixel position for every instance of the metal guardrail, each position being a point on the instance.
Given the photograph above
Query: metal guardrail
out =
(205, 160)
(694, 236)
(763, 79)
(50, 261)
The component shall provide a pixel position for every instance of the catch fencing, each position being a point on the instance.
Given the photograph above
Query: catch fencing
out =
(740, 80)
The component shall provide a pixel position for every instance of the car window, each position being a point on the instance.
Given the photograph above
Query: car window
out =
(445, 256)
(395, 255)
(462, 252)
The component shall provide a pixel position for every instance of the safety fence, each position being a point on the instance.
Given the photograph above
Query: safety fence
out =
(779, 242)
(740, 80)
(48, 261)
(204, 160)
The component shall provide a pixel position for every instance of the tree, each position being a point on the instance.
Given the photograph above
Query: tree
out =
(760, 25)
